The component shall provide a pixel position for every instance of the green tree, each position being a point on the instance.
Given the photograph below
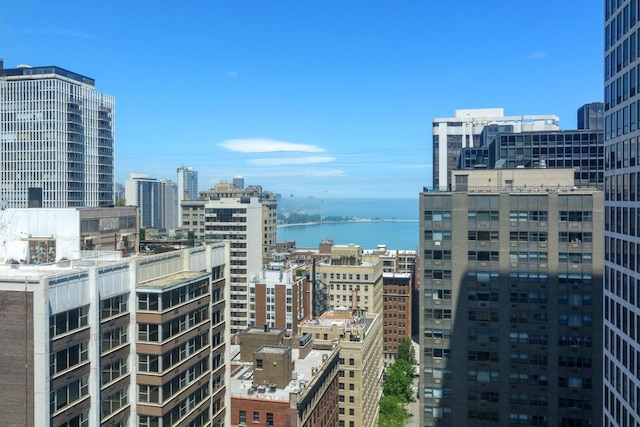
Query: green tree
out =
(398, 381)
(142, 234)
(406, 351)
(392, 412)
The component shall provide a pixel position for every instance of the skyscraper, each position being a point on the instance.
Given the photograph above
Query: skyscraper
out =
(451, 135)
(247, 220)
(168, 204)
(56, 139)
(187, 187)
(591, 116)
(142, 191)
(511, 306)
(622, 226)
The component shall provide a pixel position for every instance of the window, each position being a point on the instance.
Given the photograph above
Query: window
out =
(256, 416)
(269, 419)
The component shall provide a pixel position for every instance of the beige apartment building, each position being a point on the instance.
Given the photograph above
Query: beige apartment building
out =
(359, 338)
(352, 279)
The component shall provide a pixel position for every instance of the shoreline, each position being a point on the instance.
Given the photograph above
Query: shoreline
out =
(345, 222)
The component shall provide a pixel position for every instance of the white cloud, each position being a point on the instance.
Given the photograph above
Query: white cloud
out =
(233, 74)
(537, 55)
(261, 145)
(332, 172)
(279, 161)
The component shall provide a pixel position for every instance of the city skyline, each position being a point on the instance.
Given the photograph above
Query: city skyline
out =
(310, 99)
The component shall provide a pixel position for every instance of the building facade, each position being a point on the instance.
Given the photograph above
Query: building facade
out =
(511, 307)
(451, 135)
(247, 220)
(168, 204)
(112, 342)
(187, 186)
(280, 298)
(591, 116)
(143, 192)
(397, 311)
(351, 279)
(621, 235)
(359, 338)
(56, 139)
(286, 383)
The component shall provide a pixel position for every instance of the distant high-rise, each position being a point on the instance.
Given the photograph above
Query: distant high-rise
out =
(187, 187)
(451, 135)
(591, 116)
(511, 301)
(142, 191)
(238, 181)
(168, 204)
(56, 139)
(622, 209)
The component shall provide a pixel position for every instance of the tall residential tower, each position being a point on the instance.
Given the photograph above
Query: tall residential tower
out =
(511, 306)
(56, 139)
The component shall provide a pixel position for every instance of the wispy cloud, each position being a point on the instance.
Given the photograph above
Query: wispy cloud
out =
(233, 74)
(537, 55)
(61, 32)
(261, 145)
(279, 161)
(332, 172)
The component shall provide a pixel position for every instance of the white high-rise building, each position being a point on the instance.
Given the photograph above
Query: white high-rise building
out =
(56, 139)
(622, 215)
(452, 134)
(187, 187)
(168, 204)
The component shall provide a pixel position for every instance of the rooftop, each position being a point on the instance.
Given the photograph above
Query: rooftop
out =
(44, 72)
(242, 378)
(173, 279)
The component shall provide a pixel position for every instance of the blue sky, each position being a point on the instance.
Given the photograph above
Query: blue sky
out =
(312, 98)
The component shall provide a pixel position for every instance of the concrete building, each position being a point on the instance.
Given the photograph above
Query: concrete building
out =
(280, 297)
(359, 338)
(352, 279)
(511, 309)
(56, 139)
(42, 236)
(283, 381)
(167, 204)
(451, 135)
(142, 191)
(621, 234)
(187, 187)
(107, 341)
(245, 219)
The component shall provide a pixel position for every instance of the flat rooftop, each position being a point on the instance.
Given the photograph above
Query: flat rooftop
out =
(172, 279)
(242, 378)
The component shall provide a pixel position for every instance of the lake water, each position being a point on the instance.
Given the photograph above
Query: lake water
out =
(399, 232)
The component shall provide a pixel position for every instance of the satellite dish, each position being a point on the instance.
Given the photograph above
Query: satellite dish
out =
(500, 164)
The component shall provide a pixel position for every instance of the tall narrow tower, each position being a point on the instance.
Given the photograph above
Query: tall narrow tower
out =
(187, 187)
